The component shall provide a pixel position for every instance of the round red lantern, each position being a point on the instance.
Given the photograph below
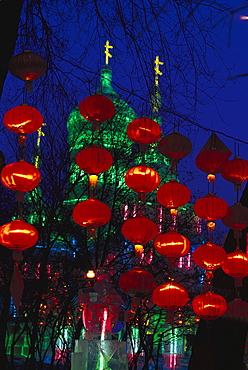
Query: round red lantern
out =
(209, 305)
(210, 208)
(172, 244)
(139, 229)
(236, 264)
(18, 235)
(137, 282)
(143, 131)
(173, 194)
(91, 213)
(237, 310)
(211, 161)
(20, 176)
(27, 66)
(236, 217)
(142, 179)
(94, 160)
(170, 296)
(235, 171)
(97, 108)
(175, 146)
(209, 256)
(23, 119)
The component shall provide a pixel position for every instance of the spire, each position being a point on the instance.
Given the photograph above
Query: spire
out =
(106, 74)
(156, 95)
(107, 53)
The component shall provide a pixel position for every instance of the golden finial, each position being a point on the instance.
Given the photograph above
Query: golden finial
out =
(156, 69)
(40, 133)
(107, 53)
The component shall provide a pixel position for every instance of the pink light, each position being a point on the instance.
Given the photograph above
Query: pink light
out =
(198, 225)
(104, 322)
(149, 257)
(37, 271)
(60, 354)
(188, 260)
(49, 272)
(160, 214)
(172, 361)
(180, 262)
(125, 216)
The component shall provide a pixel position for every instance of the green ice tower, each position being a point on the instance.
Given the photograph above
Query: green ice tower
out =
(112, 136)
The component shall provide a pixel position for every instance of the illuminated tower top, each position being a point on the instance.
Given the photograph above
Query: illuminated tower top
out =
(156, 95)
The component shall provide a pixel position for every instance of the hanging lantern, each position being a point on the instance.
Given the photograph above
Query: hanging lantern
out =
(175, 146)
(210, 207)
(143, 131)
(18, 235)
(137, 282)
(94, 160)
(23, 119)
(20, 176)
(211, 161)
(209, 256)
(91, 213)
(170, 296)
(172, 245)
(142, 179)
(173, 194)
(236, 171)
(236, 217)
(97, 108)
(237, 310)
(139, 230)
(236, 264)
(27, 66)
(209, 305)
(212, 157)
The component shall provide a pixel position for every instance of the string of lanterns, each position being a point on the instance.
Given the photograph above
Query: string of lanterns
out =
(21, 176)
(139, 230)
(142, 179)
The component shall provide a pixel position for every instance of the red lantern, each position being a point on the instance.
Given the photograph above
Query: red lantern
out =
(209, 305)
(211, 161)
(97, 108)
(143, 131)
(27, 66)
(142, 179)
(94, 160)
(139, 229)
(175, 146)
(210, 208)
(18, 235)
(236, 264)
(172, 245)
(209, 256)
(237, 310)
(173, 194)
(235, 171)
(236, 217)
(170, 296)
(23, 119)
(91, 213)
(20, 176)
(137, 282)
